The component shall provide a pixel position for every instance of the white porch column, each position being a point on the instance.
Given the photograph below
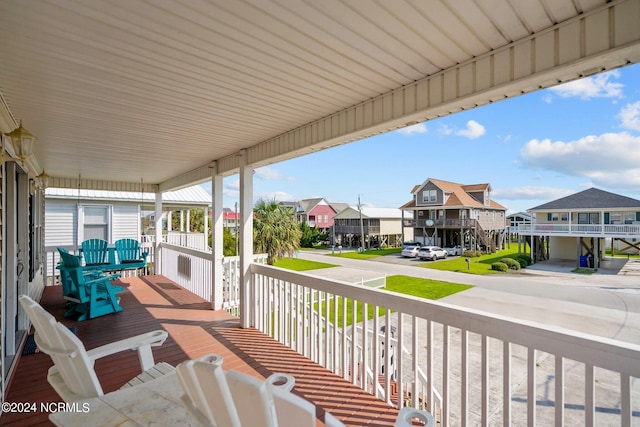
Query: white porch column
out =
(158, 227)
(217, 232)
(205, 218)
(181, 221)
(169, 221)
(246, 241)
(187, 227)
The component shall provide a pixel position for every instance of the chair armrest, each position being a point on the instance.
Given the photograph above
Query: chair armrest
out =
(406, 414)
(142, 343)
(282, 381)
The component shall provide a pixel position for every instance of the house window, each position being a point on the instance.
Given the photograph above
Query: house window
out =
(629, 217)
(420, 213)
(433, 195)
(564, 217)
(95, 224)
(326, 219)
(440, 214)
(614, 217)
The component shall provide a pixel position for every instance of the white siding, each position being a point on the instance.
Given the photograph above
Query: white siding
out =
(125, 221)
(60, 223)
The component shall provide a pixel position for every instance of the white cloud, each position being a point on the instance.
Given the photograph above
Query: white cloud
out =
(473, 130)
(269, 174)
(279, 196)
(630, 116)
(599, 86)
(609, 160)
(413, 129)
(531, 193)
(445, 130)
(547, 98)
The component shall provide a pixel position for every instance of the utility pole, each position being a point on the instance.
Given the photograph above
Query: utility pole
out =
(361, 224)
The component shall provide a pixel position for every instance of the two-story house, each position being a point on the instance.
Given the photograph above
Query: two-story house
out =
(447, 213)
(575, 227)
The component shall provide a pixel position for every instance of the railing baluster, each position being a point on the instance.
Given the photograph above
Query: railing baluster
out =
(376, 351)
(625, 400)
(387, 356)
(589, 395)
(354, 341)
(445, 375)
(365, 347)
(415, 395)
(485, 380)
(398, 358)
(327, 331)
(559, 391)
(343, 328)
(430, 394)
(336, 353)
(464, 378)
(506, 383)
(531, 387)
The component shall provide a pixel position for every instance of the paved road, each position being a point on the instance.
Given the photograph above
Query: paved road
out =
(606, 303)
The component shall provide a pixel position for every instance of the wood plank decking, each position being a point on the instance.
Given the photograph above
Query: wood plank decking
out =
(154, 302)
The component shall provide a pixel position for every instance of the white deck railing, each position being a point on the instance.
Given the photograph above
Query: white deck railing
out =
(191, 268)
(603, 230)
(469, 367)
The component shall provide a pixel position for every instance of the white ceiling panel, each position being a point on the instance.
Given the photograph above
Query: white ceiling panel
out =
(130, 90)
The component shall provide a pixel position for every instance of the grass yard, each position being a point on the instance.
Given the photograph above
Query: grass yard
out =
(414, 286)
(372, 253)
(297, 264)
(479, 265)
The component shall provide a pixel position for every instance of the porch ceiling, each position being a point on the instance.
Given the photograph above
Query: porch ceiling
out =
(172, 85)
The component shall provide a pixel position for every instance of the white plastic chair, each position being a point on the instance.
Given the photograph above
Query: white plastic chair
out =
(73, 375)
(233, 399)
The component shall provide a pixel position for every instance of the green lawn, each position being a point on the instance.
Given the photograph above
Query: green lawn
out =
(415, 286)
(372, 253)
(479, 265)
(298, 264)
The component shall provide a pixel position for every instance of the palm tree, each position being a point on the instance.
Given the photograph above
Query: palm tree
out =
(275, 232)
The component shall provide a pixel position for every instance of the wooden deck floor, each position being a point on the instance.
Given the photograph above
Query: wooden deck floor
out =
(154, 302)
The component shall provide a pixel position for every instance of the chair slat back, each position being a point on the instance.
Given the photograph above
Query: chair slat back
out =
(71, 272)
(128, 250)
(95, 251)
(65, 349)
(205, 385)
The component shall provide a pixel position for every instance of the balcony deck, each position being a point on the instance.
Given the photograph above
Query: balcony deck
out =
(155, 302)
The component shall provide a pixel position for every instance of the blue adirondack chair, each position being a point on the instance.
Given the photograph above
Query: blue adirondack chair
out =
(91, 294)
(130, 255)
(95, 253)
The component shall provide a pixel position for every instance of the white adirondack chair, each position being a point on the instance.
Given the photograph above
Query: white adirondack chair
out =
(233, 399)
(72, 375)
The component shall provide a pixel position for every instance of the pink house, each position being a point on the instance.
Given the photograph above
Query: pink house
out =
(317, 212)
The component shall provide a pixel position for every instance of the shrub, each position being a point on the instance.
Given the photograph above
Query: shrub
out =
(499, 266)
(471, 254)
(523, 261)
(527, 258)
(511, 263)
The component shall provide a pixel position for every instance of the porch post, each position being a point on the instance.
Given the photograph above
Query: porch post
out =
(246, 241)
(217, 230)
(158, 227)
(205, 219)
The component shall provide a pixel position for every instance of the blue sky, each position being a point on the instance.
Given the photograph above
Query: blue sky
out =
(531, 149)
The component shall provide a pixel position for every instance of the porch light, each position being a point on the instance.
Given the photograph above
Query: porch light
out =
(22, 142)
(42, 180)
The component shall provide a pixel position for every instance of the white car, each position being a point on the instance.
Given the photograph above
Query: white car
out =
(432, 253)
(453, 251)
(410, 251)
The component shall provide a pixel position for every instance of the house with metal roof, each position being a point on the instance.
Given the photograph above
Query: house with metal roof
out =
(575, 227)
(378, 226)
(448, 213)
(74, 215)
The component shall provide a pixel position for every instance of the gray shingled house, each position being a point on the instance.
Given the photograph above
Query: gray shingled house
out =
(575, 227)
